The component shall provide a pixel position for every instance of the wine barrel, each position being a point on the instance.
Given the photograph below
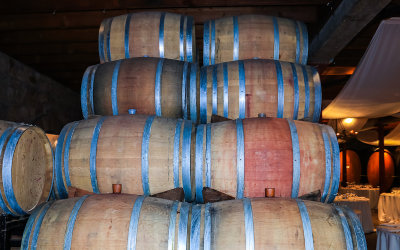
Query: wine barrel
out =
(254, 36)
(26, 166)
(243, 89)
(243, 157)
(146, 154)
(373, 170)
(150, 85)
(154, 34)
(353, 166)
(138, 222)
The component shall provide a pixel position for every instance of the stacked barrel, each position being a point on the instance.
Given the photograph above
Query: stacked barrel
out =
(147, 109)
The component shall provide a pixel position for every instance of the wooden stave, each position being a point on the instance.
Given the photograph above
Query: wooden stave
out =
(305, 96)
(186, 41)
(102, 97)
(179, 170)
(234, 224)
(232, 27)
(217, 166)
(10, 136)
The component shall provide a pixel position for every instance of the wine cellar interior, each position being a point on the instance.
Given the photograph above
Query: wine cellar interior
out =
(188, 124)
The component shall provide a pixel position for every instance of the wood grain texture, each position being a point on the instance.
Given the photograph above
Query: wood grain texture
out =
(119, 154)
(144, 36)
(261, 86)
(373, 170)
(256, 39)
(31, 167)
(268, 157)
(136, 82)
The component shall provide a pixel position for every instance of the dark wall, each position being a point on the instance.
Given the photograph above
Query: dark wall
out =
(29, 97)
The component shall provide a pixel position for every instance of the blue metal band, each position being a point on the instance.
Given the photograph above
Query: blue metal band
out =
(66, 152)
(212, 42)
(93, 153)
(235, 38)
(92, 76)
(199, 162)
(133, 223)
(281, 94)
(145, 156)
(304, 54)
(207, 227)
(84, 93)
(276, 38)
(307, 91)
(183, 223)
(29, 225)
(214, 90)
(3, 139)
(308, 235)
(7, 169)
(297, 31)
(71, 222)
(193, 94)
(126, 38)
(239, 159)
(184, 88)
(181, 38)
(189, 49)
(336, 164)
(172, 223)
(101, 41)
(317, 95)
(248, 224)
(186, 175)
(226, 93)
(296, 92)
(296, 159)
(108, 39)
(242, 90)
(35, 234)
(177, 139)
(195, 227)
(203, 95)
(208, 155)
(328, 161)
(60, 187)
(161, 35)
(206, 44)
(157, 87)
(346, 228)
(114, 85)
(357, 227)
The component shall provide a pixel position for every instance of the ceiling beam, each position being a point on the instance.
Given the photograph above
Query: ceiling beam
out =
(346, 22)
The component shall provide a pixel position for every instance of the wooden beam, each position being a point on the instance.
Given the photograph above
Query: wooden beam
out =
(337, 70)
(18, 6)
(345, 23)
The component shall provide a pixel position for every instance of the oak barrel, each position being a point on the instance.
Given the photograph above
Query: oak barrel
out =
(153, 34)
(145, 154)
(254, 36)
(353, 166)
(26, 168)
(150, 85)
(138, 222)
(373, 170)
(245, 88)
(243, 157)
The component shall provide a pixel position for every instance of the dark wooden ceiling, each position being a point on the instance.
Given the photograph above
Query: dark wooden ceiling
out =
(59, 38)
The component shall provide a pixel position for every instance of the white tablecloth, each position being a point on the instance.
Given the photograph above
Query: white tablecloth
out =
(371, 193)
(388, 238)
(362, 204)
(389, 207)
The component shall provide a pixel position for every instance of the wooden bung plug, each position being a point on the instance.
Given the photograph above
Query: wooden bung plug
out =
(270, 192)
(116, 188)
